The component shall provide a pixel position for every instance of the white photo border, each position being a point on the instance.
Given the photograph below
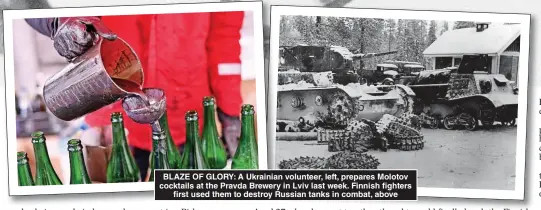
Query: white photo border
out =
(11, 15)
(518, 193)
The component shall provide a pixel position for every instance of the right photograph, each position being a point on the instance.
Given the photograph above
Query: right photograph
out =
(440, 92)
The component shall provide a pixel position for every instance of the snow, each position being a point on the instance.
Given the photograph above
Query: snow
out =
(428, 73)
(414, 66)
(343, 51)
(450, 159)
(387, 65)
(492, 40)
(299, 85)
(390, 72)
(323, 79)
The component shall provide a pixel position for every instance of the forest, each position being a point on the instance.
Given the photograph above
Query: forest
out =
(367, 35)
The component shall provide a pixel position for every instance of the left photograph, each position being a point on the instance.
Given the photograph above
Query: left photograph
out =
(97, 98)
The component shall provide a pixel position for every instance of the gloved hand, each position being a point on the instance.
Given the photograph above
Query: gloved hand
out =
(230, 131)
(73, 36)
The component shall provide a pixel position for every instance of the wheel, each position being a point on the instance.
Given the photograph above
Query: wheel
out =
(487, 118)
(509, 122)
(434, 122)
(471, 122)
(487, 123)
(447, 122)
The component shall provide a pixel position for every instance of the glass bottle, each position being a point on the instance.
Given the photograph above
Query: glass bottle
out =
(122, 166)
(246, 156)
(192, 157)
(23, 170)
(213, 147)
(159, 152)
(173, 154)
(78, 172)
(45, 173)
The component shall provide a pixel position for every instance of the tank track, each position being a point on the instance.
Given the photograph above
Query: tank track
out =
(402, 133)
(341, 160)
(352, 160)
(304, 163)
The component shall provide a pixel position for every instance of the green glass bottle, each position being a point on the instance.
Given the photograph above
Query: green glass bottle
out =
(23, 170)
(45, 173)
(159, 153)
(213, 147)
(246, 155)
(78, 172)
(173, 155)
(192, 157)
(122, 166)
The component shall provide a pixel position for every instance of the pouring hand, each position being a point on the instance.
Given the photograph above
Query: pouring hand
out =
(74, 36)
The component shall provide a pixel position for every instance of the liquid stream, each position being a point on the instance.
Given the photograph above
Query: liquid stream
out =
(149, 103)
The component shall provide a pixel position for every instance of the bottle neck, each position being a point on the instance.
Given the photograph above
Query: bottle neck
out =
(119, 136)
(159, 151)
(158, 142)
(78, 170)
(192, 133)
(247, 128)
(24, 173)
(164, 124)
(43, 162)
(209, 119)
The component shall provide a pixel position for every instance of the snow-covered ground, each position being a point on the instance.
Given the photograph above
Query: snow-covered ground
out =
(450, 159)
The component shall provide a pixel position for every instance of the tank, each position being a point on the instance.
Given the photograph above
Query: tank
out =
(345, 65)
(467, 97)
(319, 90)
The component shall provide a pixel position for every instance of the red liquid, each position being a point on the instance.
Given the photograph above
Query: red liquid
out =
(132, 88)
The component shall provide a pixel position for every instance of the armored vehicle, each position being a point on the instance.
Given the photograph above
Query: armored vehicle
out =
(465, 96)
(319, 93)
(322, 80)
(344, 64)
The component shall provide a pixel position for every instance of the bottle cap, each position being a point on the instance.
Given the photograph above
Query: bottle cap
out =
(191, 115)
(38, 137)
(74, 145)
(209, 101)
(22, 158)
(116, 117)
(247, 109)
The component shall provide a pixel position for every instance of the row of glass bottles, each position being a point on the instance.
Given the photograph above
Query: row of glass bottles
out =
(205, 152)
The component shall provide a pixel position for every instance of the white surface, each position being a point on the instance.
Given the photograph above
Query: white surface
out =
(145, 201)
(9, 16)
(493, 40)
(518, 192)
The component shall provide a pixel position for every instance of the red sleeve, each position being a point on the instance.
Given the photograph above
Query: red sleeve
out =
(223, 47)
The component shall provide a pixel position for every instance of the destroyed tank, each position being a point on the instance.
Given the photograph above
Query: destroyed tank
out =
(345, 65)
(311, 99)
(466, 97)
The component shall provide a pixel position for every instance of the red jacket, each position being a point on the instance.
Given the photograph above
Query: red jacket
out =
(184, 54)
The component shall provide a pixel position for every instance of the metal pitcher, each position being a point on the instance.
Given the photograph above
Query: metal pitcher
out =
(101, 76)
